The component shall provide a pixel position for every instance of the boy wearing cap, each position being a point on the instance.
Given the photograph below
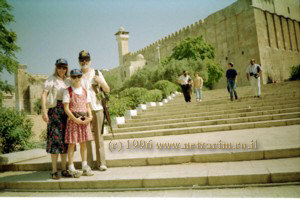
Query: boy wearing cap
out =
(231, 75)
(89, 79)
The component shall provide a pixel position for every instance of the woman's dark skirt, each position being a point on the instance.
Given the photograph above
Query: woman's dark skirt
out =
(56, 130)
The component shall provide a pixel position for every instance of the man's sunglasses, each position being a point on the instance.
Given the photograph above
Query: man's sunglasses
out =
(84, 59)
(76, 76)
(62, 67)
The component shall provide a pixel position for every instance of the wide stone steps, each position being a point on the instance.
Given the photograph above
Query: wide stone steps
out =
(260, 122)
(212, 143)
(211, 116)
(238, 145)
(215, 121)
(209, 113)
(174, 106)
(189, 175)
(204, 108)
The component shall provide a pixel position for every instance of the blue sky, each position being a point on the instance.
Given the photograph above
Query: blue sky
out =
(50, 29)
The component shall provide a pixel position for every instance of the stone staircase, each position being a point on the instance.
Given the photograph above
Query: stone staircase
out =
(215, 142)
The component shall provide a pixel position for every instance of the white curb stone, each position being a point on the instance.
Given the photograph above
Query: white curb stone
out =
(159, 104)
(130, 113)
(151, 104)
(165, 101)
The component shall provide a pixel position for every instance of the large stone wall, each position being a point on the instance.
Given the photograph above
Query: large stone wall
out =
(239, 33)
(28, 89)
(279, 37)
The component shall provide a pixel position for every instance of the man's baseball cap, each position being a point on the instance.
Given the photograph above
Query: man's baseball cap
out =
(61, 61)
(76, 72)
(84, 54)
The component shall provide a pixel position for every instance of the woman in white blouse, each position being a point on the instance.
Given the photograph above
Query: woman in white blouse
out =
(55, 117)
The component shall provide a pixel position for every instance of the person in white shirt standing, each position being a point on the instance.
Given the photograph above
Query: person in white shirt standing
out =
(185, 82)
(89, 79)
(253, 73)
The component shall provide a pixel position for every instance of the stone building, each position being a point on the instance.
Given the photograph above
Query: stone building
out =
(28, 89)
(267, 30)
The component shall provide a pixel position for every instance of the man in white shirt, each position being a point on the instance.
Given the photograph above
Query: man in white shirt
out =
(253, 73)
(89, 79)
(185, 82)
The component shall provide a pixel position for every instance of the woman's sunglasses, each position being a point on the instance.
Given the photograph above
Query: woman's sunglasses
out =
(76, 76)
(84, 59)
(62, 67)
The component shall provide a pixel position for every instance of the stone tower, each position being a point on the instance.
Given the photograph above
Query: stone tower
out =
(122, 38)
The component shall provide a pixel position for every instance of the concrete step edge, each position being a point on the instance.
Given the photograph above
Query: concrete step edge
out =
(222, 121)
(181, 175)
(199, 129)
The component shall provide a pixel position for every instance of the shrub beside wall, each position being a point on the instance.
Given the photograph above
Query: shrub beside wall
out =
(15, 131)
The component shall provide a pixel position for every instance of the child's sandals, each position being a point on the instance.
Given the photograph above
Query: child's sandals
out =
(65, 173)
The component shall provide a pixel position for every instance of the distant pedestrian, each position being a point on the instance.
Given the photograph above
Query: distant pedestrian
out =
(253, 73)
(231, 76)
(197, 85)
(185, 82)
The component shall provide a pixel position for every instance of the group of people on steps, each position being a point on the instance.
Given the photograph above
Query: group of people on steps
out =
(76, 113)
(253, 74)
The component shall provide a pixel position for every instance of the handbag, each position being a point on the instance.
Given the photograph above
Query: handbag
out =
(51, 98)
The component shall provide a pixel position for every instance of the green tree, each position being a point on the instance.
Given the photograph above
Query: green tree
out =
(8, 46)
(193, 48)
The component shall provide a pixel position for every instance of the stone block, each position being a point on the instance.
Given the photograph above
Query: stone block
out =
(239, 177)
(151, 104)
(169, 160)
(285, 177)
(117, 183)
(119, 120)
(165, 100)
(293, 121)
(282, 153)
(127, 162)
(142, 107)
(130, 113)
(21, 156)
(159, 103)
(33, 185)
(241, 126)
(174, 182)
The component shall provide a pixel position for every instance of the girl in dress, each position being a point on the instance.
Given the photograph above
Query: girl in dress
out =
(77, 106)
(56, 117)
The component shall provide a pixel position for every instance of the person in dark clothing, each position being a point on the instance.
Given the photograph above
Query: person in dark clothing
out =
(231, 76)
(185, 82)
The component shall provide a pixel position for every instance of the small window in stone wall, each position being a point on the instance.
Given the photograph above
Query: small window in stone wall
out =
(226, 58)
(288, 8)
(242, 52)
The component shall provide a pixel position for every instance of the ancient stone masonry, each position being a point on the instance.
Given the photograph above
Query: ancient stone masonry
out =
(28, 89)
(267, 30)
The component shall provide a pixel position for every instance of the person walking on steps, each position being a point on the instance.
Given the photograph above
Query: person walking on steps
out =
(185, 82)
(253, 74)
(92, 77)
(197, 85)
(231, 76)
